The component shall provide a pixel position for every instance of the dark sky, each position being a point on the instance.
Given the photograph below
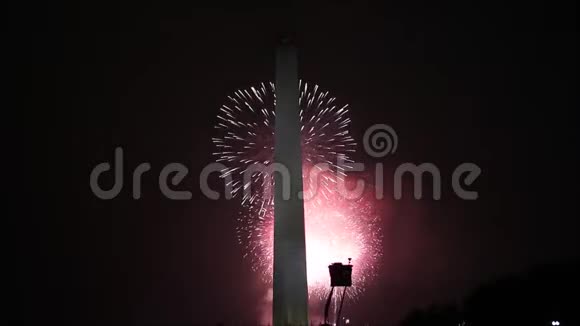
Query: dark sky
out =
(485, 84)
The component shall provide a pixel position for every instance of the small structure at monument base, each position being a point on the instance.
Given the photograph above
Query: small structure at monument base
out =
(340, 276)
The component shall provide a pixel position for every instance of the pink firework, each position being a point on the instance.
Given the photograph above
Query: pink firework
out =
(337, 228)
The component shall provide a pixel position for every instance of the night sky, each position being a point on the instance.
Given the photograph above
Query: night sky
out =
(484, 84)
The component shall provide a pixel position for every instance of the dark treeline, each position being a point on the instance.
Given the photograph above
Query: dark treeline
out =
(545, 294)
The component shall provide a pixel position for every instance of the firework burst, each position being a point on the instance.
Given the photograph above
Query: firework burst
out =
(337, 228)
(246, 138)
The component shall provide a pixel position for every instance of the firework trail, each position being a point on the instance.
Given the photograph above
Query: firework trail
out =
(336, 227)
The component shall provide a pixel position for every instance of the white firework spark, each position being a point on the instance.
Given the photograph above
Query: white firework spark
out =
(246, 137)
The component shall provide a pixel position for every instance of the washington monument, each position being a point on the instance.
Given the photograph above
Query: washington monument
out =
(290, 302)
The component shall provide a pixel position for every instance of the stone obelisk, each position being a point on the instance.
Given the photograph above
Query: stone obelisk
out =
(290, 305)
